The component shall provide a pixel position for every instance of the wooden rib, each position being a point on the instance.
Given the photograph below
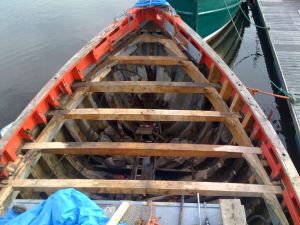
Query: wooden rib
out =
(148, 60)
(144, 115)
(214, 75)
(142, 149)
(226, 90)
(248, 119)
(146, 187)
(143, 87)
(237, 104)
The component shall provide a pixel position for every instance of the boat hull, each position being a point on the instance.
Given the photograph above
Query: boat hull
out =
(44, 121)
(205, 16)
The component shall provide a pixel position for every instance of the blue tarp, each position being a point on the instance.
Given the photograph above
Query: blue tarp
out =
(65, 207)
(146, 3)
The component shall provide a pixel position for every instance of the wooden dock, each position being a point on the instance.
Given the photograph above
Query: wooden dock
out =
(283, 19)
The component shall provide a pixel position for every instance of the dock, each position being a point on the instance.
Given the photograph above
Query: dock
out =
(283, 19)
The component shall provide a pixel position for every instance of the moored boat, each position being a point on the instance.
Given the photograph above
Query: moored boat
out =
(207, 17)
(148, 110)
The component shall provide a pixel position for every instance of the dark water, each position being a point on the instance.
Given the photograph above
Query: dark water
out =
(37, 37)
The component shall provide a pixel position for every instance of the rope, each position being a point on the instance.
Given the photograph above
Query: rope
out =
(280, 90)
(253, 91)
(247, 18)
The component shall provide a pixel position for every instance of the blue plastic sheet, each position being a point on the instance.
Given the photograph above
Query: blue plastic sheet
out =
(146, 3)
(65, 207)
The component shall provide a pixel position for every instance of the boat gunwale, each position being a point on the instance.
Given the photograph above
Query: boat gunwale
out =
(270, 139)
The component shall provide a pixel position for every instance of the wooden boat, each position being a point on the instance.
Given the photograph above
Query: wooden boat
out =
(207, 17)
(148, 109)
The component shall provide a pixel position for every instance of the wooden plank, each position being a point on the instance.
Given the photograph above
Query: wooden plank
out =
(226, 90)
(148, 60)
(193, 72)
(118, 215)
(146, 187)
(144, 115)
(233, 212)
(144, 87)
(142, 149)
(237, 104)
(214, 75)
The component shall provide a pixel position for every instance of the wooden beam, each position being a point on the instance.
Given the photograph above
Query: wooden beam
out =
(142, 149)
(226, 90)
(214, 74)
(146, 187)
(148, 60)
(237, 104)
(118, 215)
(144, 115)
(143, 87)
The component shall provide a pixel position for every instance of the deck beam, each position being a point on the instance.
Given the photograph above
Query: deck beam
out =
(146, 187)
(144, 87)
(144, 115)
(148, 60)
(141, 149)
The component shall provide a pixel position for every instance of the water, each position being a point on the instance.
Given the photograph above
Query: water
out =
(38, 37)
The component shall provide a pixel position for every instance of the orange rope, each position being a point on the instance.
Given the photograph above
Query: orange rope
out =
(253, 91)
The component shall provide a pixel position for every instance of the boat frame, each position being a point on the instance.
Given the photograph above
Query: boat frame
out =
(243, 117)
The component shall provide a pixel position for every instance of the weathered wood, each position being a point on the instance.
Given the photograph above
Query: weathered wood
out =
(193, 72)
(144, 115)
(118, 215)
(237, 104)
(214, 74)
(148, 60)
(226, 90)
(144, 87)
(248, 119)
(141, 149)
(146, 187)
(170, 45)
(232, 211)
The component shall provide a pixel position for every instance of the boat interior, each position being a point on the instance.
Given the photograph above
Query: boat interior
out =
(149, 123)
